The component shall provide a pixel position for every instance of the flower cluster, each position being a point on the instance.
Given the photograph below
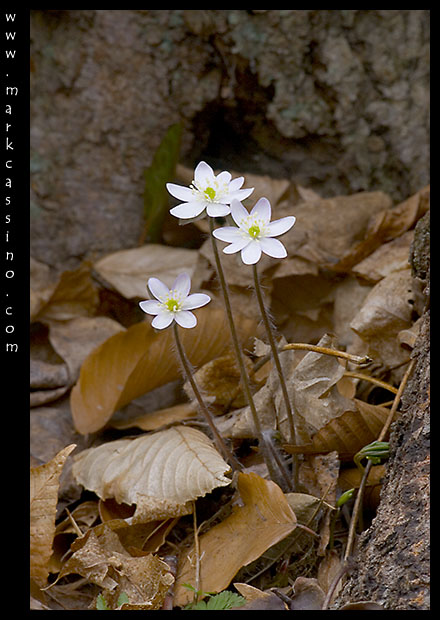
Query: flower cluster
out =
(253, 235)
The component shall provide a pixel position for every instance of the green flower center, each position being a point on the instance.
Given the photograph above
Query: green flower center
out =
(210, 193)
(254, 231)
(172, 305)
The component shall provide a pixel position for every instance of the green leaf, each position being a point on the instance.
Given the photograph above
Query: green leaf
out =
(156, 176)
(101, 603)
(122, 598)
(221, 601)
(225, 600)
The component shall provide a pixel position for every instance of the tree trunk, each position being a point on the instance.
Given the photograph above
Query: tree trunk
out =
(392, 559)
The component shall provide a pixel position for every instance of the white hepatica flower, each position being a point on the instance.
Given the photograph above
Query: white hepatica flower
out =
(255, 232)
(173, 304)
(207, 191)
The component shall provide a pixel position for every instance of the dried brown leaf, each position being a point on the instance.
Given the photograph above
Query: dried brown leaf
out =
(128, 270)
(72, 295)
(160, 472)
(140, 359)
(44, 483)
(264, 519)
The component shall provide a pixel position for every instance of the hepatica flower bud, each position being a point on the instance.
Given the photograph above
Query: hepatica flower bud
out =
(207, 191)
(173, 304)
(255, 233)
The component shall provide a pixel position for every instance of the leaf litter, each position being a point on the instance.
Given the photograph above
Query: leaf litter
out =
(135, 546)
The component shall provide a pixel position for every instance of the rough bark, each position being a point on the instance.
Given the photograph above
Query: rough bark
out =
(336, 100)
(392, 560)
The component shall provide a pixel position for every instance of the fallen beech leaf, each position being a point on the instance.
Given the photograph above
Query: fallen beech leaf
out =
(389, 257)
(74, 294)
(347, 433)
(154, 420)
(140, 359)
(102, 560)
(128, 270)
(263, 520)
(160, 472)
(308, 594)
(315, 397)
(385, 225)
(44, 482)
(74, 340)
(385, 312)
(366, 605)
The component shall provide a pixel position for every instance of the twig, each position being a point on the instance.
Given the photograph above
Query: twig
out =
(379, 382)
(355, 359)
(197, 554)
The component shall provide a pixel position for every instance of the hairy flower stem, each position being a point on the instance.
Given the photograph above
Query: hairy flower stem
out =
(276, 359)
(237, 348)
(221, 446)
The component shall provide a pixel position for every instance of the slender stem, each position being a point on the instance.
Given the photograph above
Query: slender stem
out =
(221, 446)
(237, 348)
(235, 341)
(276, 357)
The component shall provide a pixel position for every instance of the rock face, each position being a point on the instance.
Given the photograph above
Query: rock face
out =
(336, 100)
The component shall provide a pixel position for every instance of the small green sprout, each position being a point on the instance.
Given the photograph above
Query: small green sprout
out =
(221, 601)
(374, 452)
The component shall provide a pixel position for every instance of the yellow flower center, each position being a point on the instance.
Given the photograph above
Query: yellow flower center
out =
(254, 231)
(172, 305)
(210, 193)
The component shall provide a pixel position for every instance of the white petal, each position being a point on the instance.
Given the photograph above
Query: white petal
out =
(236, 246)
(263, 209)
(235, 184)
(230, 234)
(240, 194)
(273, 247)
(162, 320)
(150, 306)
(188, 210)
(251, 253)
(197, 300)
(238, 212)
(279, 227)
(224, 177)
(158, 288)
(217, 209)
(185, 319)
(203, 175)
(180, 192)
(182, 285)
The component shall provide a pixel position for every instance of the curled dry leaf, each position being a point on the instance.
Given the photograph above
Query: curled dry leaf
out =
(140, 359)
(347, 433)
(264, 519)
(128, 270)
(102, 560)
(44, 482)
(161, 472)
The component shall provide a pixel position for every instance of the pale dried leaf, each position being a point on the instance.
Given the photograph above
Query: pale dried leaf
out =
(129, 270)
(161, 472)
(386, 311)
(263, 520)
(44, 484)
(389, 257)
